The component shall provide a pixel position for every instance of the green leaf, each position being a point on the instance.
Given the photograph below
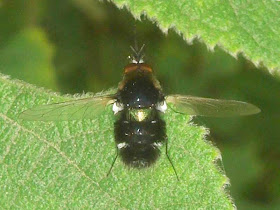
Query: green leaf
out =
(248, 27)
(27, 56)
(64, 164)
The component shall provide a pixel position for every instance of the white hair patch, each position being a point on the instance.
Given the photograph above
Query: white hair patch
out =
(162, 107)
(157, 144)
(117, 107)
(122, 145)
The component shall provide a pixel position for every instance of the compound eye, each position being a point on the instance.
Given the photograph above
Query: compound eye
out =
(137, 66)
(146, 67)
(130, 67)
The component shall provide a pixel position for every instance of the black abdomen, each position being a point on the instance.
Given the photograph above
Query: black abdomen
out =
(139, 141)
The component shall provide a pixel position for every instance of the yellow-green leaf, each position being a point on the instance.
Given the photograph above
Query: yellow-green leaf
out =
(248, 27)
(51, 165)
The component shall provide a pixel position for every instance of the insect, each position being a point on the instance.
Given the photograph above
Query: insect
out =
(138, 104)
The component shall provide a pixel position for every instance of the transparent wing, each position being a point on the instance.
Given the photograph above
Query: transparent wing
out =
(86, 108)
(192, 105)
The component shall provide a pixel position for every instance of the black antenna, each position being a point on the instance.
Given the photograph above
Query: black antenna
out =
(137, 54)
(135, 39)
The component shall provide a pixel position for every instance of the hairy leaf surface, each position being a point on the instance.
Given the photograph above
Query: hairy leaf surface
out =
(248, 27)
(64, 164)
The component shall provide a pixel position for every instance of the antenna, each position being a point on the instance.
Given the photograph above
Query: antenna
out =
(137, 54)
(135, 37)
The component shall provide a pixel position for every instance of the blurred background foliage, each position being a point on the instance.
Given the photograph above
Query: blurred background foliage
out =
(74, 46)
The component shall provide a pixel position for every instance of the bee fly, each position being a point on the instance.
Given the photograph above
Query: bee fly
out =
(139, 130)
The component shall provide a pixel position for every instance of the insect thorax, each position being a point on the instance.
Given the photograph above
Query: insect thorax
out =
(139, 89)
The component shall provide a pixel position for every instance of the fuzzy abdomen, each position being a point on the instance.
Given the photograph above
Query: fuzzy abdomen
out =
(138, 142)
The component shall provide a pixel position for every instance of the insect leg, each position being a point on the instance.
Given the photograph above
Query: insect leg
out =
(113, 163)
(166, 152)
